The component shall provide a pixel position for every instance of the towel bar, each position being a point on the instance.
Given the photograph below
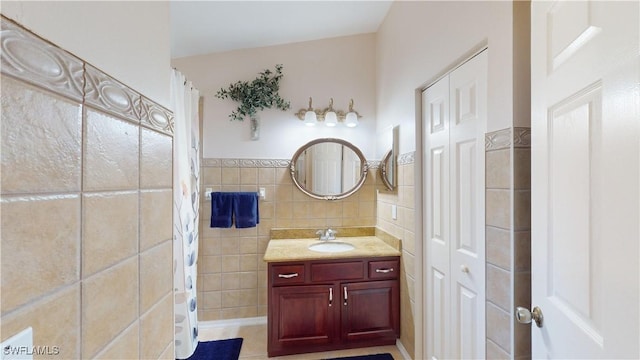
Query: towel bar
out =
(262, 193)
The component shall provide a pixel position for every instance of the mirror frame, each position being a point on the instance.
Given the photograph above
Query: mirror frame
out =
(383, 171)
(389, 162)
(364, 169)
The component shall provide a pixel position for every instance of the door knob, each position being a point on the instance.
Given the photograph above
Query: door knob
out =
(524, 316)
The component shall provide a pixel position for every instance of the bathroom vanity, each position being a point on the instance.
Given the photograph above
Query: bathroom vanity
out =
(320, 301)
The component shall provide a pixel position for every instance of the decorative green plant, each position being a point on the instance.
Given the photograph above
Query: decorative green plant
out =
(260, 94)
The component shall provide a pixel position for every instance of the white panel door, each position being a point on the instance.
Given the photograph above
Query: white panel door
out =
(435, 107)
(585, 73)
(468, 119)
(454, 115)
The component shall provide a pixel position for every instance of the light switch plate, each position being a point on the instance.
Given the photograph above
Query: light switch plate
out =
(394, 212)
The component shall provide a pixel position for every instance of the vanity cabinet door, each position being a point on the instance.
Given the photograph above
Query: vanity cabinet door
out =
(370, 311)
(302, 316)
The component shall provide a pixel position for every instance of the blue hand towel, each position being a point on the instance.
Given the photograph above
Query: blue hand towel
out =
(245, 209)
(221, 209)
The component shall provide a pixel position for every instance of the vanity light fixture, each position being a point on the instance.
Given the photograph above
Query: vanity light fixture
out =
(328, 115)
(310, 118)
(351, 119)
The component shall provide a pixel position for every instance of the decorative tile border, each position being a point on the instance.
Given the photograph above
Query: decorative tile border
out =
(521, 137)
(29, 58)
(497, 140)
(503, 139)
(108, 94)
(208, 162)
(261, 163)
(155, 116)
(264, 163)
(407, 158)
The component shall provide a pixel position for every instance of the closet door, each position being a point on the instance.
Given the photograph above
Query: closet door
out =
(468, 123)
(455, 124)
(435, 105)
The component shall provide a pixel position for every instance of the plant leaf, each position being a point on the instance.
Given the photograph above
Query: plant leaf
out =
(259, 94)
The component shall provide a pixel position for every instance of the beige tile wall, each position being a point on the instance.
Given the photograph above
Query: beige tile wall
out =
(86, 208)
(403, 228)
(508, 241)
(232, 279)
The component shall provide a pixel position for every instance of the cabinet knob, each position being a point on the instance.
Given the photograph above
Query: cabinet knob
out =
(464, 269)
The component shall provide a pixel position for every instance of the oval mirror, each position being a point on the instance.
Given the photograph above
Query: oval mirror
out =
(328, 169)
(389, 163)
(388, 170)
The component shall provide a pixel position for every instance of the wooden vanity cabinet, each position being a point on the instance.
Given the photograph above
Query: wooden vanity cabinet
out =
(371, 312)
(322, 305)
(303, 316)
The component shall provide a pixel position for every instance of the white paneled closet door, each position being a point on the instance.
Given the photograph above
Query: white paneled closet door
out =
(454, 123)
(435, 101)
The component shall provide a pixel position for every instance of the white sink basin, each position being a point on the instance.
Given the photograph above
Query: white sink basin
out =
(331, 246)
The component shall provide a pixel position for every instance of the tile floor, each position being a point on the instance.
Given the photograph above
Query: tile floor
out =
(254, 346)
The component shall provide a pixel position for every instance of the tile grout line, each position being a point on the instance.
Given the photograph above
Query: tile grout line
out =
(83, 148)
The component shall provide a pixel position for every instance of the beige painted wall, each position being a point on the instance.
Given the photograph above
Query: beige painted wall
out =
(419, 41)
(340, 68)
(126, 39)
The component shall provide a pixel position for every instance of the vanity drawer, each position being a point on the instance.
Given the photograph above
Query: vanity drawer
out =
(333, 271)
(385, 269)
(287, 274)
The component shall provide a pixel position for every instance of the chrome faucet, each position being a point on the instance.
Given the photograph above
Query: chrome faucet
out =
(328, 234)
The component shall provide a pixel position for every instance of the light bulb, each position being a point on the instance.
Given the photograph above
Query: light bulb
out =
(351, 119)
(330, 119)
(310, 118)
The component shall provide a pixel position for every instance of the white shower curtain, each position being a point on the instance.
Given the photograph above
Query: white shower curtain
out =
(186, 194)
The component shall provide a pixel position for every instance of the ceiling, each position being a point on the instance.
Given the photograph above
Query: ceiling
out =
(203, 27)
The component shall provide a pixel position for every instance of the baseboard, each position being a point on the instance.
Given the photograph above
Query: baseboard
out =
(232, 322)
(403, 351)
